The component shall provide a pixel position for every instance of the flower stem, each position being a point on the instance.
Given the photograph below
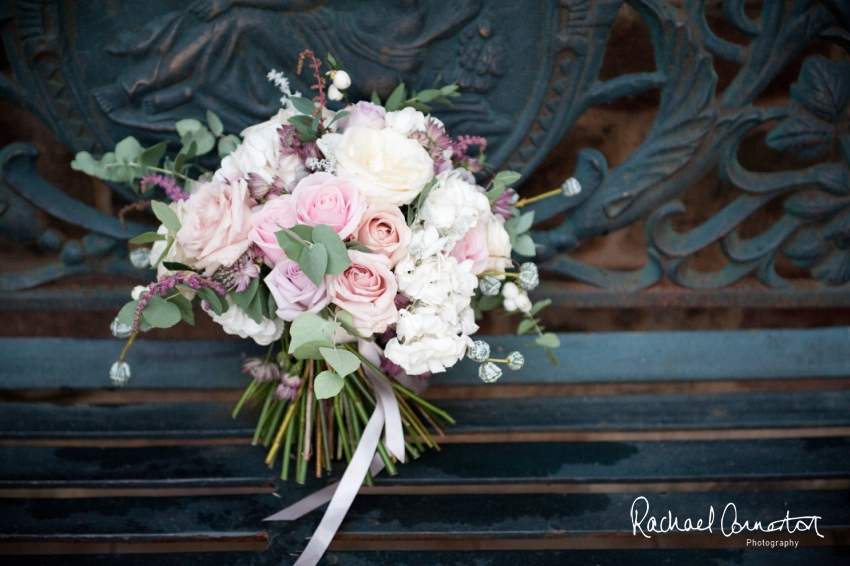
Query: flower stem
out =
(341, 430)
(287, 450)
(127, 347)
(325, 437)
(286, 421)
(529, 200)
(301, 463)
(248, 391)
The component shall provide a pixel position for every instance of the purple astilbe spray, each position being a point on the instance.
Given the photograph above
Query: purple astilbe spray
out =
(167, 184)
(504, 205)
(238, 276)
(167, 283)
(435, 140)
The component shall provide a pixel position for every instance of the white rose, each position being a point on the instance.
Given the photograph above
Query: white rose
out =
(432, 354)
(236, 321)
(453, 206)
(498, 244)
(384, 165)
(406, 121)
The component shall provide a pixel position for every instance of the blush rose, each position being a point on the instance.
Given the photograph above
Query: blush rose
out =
(367, 290)
(322, 198)
(384, 230)
(267, 219)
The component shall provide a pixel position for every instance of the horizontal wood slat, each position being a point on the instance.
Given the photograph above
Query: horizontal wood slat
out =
(30, 363)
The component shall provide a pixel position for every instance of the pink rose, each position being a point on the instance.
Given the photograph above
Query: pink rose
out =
(384, 230)
(473, 246)
(266, 220)
(321, 198)
(293, 291)
(366, 290)
(218, 219)
(363, 115)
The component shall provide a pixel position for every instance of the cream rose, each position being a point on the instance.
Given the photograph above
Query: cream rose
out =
(218, 220)
(384, 165)
(498, 244)
(384, 230)
(367, 290)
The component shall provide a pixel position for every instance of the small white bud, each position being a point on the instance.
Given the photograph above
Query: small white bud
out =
(522, 302)
(334, 93)
(120, 330)
(510, 290)
(141, 258)
(341, 80)
(137, 292)
(489, 372)
(571, 187)
(119, 373)
(509, 305)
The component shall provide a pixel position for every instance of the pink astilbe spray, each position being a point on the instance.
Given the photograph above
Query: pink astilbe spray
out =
(167, 184)
(238, 276)
(167, 283)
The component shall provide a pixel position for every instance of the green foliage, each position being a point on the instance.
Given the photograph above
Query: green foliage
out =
(147, 238)
(327, 385)
(165, 215)
(128, 313)
(214, 123)
(516, 227)
(500, 183)
(549, 340)
(161, 313)
(343, 362)
(394, 101)
(308, 333)
(218, 304)
(318, 250)
(303, 105)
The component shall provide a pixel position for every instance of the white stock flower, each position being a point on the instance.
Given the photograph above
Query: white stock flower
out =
(418, 320)
(429, 353)
(453, 206)
(236, 321)
(384, 165)
(434, 279)
(406, 121)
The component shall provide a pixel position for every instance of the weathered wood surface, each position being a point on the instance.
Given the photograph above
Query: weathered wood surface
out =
(609, 357)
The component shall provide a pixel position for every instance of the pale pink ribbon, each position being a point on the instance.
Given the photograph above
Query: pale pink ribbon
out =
(341, 495)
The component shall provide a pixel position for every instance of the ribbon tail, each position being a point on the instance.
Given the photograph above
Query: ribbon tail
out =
(394, 433)
(346, 490)
(318, 498)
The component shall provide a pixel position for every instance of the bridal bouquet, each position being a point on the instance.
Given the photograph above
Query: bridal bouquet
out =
(357, 245)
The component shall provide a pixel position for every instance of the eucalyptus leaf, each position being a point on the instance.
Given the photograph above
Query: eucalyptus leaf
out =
(338, 260)
(525, 246)
(225, 147)
(549, 340)
(338, 115)
(525, 325)
(128, 149)
(217, 304)
(152, 155)
(214, 122)
(343, 362)
(507, 177)
(188, 126)
(160, 313)
(165, 215)
(497, 191)
(127, 314)
(206, 143)
(375, 99)
(292, 248)
(524, 222)
(539, 306)
(244, 298)
(327, 385)
(309, 332)
(147, 238)
(255, 308)
(314, 263)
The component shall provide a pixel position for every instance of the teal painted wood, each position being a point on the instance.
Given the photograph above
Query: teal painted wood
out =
(506, 516)
(776, 409)
(33, 363)
(467, 464)
(822, 556)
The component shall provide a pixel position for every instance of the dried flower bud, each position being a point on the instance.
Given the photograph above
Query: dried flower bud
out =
(141, 258)
(479, 352)
(490, 286)
(529, 278)
(119, 373)
(260, 370)
(257, 186)
(120, 330)
(515, 361)
(489, 372)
